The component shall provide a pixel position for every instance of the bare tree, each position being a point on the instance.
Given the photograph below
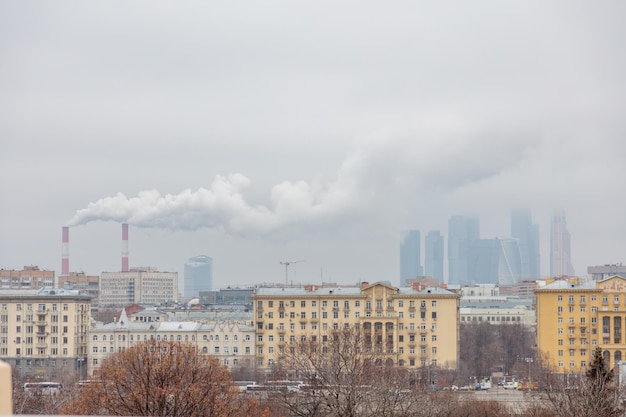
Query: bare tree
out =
(159, 378)
(345, 375)
(592, 394)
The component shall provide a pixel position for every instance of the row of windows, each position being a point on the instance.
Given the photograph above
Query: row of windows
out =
(346, 304)
(366, 326)
(346, 315)
(29, 351)
(216, 350)
(30, 329)
(378, 362)
(179, 338)
(40, 307)
(491, 318)
(582, 299)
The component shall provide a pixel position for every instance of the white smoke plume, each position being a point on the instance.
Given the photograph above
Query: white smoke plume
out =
(382, 176)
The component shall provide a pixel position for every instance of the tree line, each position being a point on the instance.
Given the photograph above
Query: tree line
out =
(343, 377)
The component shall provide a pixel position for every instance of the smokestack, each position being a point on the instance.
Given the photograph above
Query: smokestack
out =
(65, 252)
(124, 247)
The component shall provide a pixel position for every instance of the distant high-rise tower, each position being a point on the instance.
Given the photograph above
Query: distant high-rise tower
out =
(462, 233)
(198, 276)
(560, 249)
(494, 261)
(433, 255)
(410, 266)
(523, 229)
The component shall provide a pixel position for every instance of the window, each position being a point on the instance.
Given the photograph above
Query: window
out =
(324, 304)
(303, 304)
(217, 349)
(433, 303)
(559, 298)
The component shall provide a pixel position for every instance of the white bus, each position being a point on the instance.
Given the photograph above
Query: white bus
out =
(43, 388)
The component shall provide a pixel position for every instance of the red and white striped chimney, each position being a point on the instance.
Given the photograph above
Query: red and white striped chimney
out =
(124, 247)
(65, 252)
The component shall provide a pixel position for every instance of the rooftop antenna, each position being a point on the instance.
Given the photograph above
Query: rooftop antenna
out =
(287, 263)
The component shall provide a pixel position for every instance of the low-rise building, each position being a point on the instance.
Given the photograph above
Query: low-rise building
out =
(231, 343)
(411, 327)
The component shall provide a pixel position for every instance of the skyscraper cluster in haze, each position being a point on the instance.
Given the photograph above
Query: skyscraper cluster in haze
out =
(472, 259)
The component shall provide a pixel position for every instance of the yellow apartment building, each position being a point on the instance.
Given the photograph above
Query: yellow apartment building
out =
(412, 326)
(575, 317)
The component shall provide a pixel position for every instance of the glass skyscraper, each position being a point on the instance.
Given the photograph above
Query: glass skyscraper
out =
(410, 256)
(198, 276)
(433, 255)
(462, 233)
(523, 229)
(560, 250)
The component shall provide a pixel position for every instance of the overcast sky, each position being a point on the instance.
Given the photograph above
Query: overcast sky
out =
(261, 132)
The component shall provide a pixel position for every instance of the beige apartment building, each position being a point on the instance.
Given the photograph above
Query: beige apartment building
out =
(142, 285)
(232, 343)
(43, 332)
(30, 277)
(411, 326)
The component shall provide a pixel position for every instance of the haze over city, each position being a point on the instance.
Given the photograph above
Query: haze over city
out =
(277, 131)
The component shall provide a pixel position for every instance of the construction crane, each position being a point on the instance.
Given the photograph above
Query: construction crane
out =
(287, 263)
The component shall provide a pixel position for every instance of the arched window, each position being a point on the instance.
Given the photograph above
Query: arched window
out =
(617, 355)
(389, 362)
(607, 356)
(205, 350)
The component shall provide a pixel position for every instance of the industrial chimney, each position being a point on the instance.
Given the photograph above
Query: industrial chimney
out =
(65, 252)
(124, 247)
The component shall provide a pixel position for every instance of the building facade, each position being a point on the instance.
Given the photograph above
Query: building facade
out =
(410, 256)
(143, 285)
(576, 317)
(198, 276)
(43, 333)
(560, 247)
(598, 273)
(232, 343)
(527, 233)
(30, 277)
(462, 233)
(433, 255)
(86, 284)
(412, 328)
